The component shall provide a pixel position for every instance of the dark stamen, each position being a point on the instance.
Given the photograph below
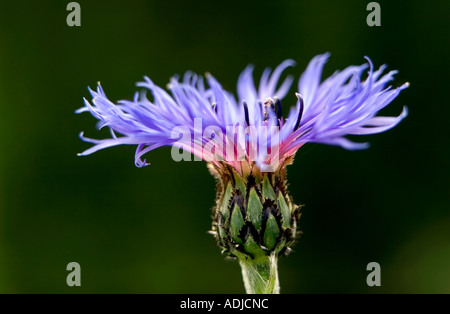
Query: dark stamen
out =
(214, 106)
(300, 98)
(246, 112)
(279, 108)
(268, 106)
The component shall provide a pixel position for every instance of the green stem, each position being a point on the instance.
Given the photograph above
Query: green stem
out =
(261, 275)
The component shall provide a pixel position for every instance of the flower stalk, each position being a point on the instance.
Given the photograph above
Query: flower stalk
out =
(261, 275)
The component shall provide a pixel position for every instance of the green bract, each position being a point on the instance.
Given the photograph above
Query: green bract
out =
(254, 215)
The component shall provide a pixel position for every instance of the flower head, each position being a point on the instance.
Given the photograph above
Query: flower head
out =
(248, 143)
(249, 130)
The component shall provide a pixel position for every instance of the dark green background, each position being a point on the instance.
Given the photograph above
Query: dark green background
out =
(144, 230)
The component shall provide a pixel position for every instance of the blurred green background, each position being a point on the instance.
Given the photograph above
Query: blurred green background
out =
(144, 230)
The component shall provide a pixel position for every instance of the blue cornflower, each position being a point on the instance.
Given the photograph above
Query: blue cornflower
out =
(248, 143)
(325, 112)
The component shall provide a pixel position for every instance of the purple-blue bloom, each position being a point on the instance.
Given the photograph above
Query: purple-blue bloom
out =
(345, 103)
